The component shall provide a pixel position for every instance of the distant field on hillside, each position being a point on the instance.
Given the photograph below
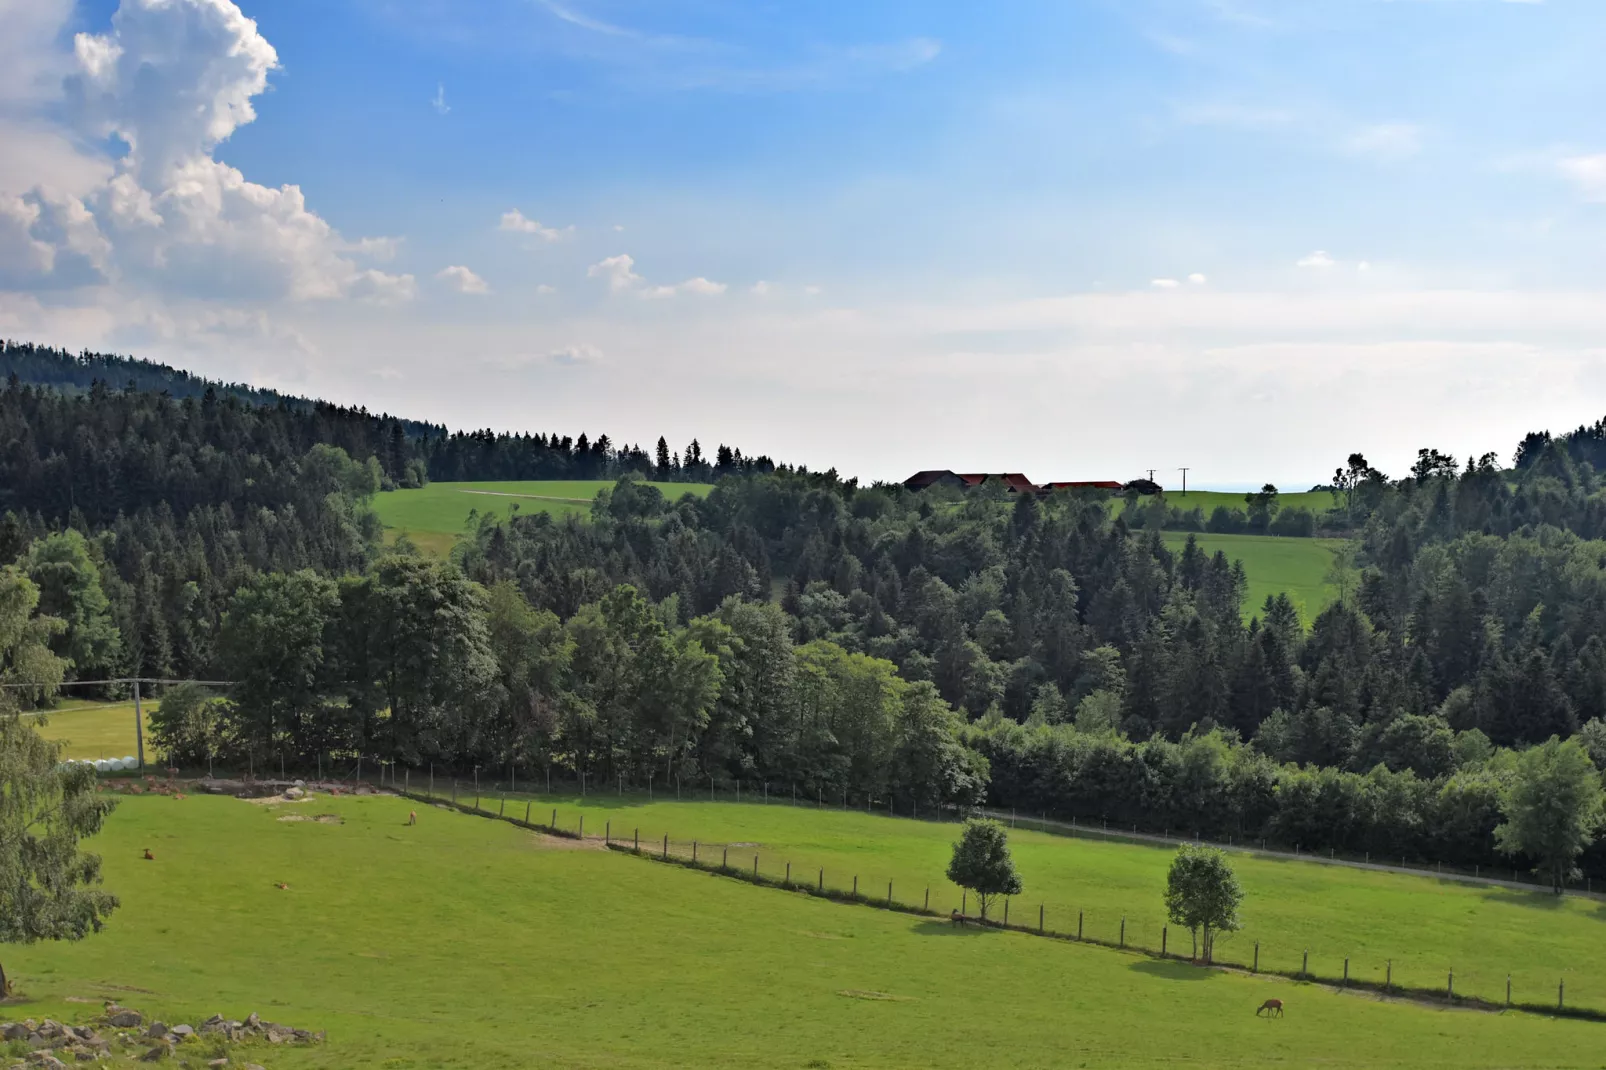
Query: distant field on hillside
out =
(463, 943)
(1297, 567)
(1317, 502)
(434, 516)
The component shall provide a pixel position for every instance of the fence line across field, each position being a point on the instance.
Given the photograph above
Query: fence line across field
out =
(1138, 934)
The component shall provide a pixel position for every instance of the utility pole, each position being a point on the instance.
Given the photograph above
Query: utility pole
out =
(1184, 472)
(1151, 475)
(139, 727)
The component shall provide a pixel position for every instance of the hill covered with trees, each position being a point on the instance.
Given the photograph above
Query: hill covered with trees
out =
(793, 627)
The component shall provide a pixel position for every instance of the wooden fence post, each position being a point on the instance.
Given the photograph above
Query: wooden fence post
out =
(964, 902)
(502, 811)
(1078, 924)
(1256, 967)
(789, 874)
(1164, 933)
(666, 847)
(1561, 993)
(725, 858)
(822, 881)
(1123, 930)
(527, 804)
(1449, 987)
(1388, 977)
(755, 867)
(582, 827)
(1006, 911)
(889, 893)
(554, 825)
(1346, 970)
(1304, 967)
(928, 899)
(1039, 919)
(1508, 990)
(855, 884)
(607, 833)
(694, 852)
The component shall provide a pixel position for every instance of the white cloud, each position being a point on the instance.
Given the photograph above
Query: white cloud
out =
(618, 228)
(1386, 140)
(761, 288)
(1588, 173)
(1197, 279)
(813, 291)
(516, 222)
(463, 280)
(544, 289)
(563, 356)
(1318, 259)
(698, 285)
(1163, 284)
(575, 354)
(438, 102)
(620, 273)
(171, 80)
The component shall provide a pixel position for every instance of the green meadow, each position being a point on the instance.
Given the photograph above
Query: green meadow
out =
(1275, 565)
(95, 729)
(434, 516)
(1425, 927)
(465, 942)
(1318, 501)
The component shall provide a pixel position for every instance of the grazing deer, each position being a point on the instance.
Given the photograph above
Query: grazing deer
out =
(412, 817)
(957, 918)
(148, 856)
(1272, 1007)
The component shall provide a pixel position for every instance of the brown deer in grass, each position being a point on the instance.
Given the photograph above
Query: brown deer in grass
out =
(1272, 1008)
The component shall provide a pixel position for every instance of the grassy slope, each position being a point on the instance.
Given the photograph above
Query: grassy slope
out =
(1426, 927)
(462, 943)
(434, 516)
(96, 729)
(1274, 566)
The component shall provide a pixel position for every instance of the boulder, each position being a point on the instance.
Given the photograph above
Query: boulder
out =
(181, 1032)
(125, 1019)
(218, 1064)
(253, 1022)
(157, 1029)
(15, 1031)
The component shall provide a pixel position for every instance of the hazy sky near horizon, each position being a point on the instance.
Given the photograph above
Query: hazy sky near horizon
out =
(1076, 238)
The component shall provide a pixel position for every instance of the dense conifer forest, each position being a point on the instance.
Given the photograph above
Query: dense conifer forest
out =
(1048, 653)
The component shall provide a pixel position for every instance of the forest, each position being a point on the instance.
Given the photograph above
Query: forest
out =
(928, 648)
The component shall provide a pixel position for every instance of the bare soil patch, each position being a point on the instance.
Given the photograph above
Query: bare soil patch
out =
(564, 843)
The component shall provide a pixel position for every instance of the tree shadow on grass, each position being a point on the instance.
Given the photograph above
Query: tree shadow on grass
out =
(1172, 970)
(948, 928)
(1542, 898)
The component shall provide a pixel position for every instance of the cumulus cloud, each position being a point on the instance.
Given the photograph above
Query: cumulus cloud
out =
(620, 274)
(463, 280)
(1197, 279)
(1588, 173)
(515, 221)
(698, 285)
(619, 271)
(1318, 259)
(1163, 284)
(170, 81)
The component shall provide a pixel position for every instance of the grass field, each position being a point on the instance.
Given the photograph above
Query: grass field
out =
(1317, 502)
(434, 516)
(1426, 927)
(96, 729)
(1275, 566)
(469, 943)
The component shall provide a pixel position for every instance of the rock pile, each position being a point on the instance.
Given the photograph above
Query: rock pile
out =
(123, 1035)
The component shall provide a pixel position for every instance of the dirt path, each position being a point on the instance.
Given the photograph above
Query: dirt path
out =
(531, 497)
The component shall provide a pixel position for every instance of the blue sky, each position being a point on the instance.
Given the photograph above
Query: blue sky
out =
(1080, 239)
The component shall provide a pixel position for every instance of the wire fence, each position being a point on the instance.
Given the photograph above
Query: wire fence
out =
(1572, 994)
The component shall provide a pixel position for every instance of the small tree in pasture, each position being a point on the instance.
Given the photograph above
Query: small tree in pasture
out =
(1202, 893)
(982, 864)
